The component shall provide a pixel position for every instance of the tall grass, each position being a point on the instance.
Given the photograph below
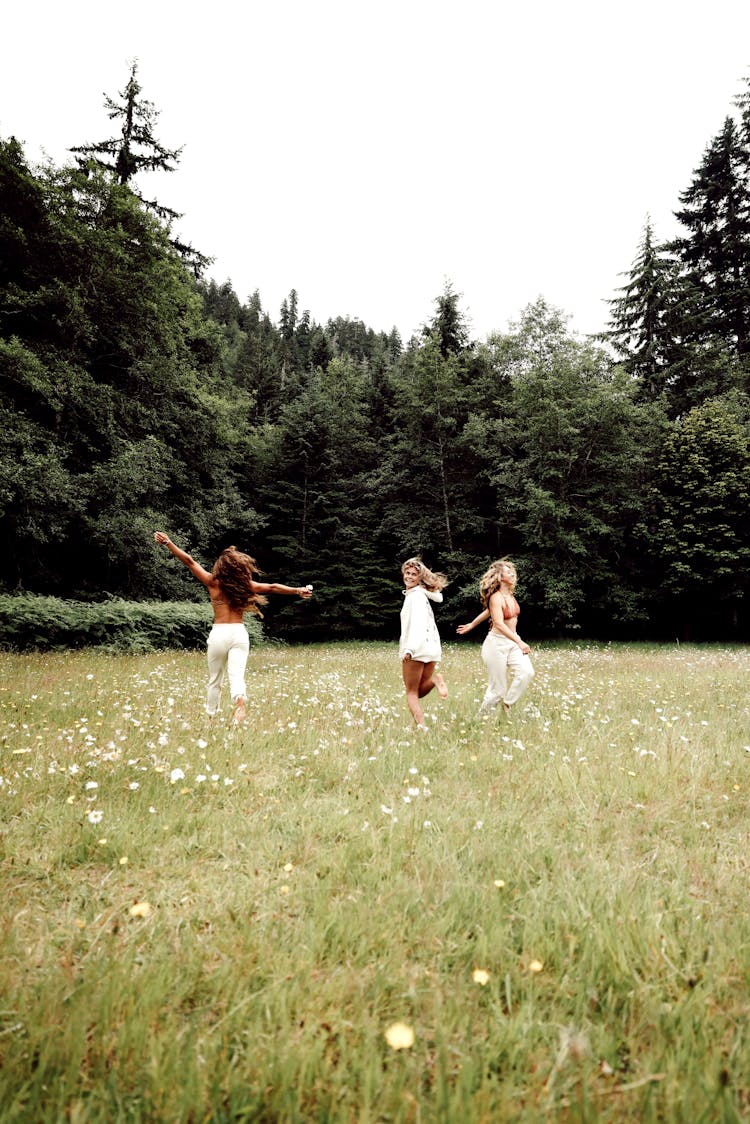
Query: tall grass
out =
(201, 923)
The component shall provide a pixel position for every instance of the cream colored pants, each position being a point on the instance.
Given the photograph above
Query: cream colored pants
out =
(228, 646)
(499, 654)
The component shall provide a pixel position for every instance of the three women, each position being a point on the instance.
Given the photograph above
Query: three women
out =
(234, 591)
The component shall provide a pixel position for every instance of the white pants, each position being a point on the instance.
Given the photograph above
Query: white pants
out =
(228, 645)
(499, 654)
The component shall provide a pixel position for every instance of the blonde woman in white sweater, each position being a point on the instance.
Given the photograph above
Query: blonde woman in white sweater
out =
(419, 647)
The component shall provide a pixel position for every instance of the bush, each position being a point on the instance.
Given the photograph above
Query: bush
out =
(28, 621)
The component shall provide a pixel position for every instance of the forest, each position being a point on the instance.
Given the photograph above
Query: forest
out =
(136, 394)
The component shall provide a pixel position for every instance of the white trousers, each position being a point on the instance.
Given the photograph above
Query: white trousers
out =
(499, 654)
(228, 646)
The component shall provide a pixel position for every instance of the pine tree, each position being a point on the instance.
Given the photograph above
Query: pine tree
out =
(448, 325)
(715, 251)
(136, 150)
(644, 321)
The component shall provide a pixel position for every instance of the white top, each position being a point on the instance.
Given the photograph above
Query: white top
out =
(419, 634)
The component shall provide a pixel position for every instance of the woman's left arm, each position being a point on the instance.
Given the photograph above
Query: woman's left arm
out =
(274, 587)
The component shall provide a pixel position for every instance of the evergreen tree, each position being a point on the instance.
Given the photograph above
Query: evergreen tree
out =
(715, 257)
(448, 326)
(644, 321)
(136, 149)
(427, 471)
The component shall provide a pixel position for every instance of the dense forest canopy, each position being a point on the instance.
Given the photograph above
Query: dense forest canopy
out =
(137, 395)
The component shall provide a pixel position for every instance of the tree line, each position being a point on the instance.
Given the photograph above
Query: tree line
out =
(136, 394)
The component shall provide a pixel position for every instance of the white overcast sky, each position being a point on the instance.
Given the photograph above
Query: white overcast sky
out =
(365, 153)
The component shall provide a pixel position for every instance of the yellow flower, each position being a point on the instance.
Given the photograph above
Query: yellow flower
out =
(124, 860)
(285, 889)
(140, 909)
(536, 966)
(499, 883)
(481, 976)
(289, 867)
(399, 1036)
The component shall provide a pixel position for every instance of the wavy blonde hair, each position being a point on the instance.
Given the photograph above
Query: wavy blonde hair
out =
(426, 577)
(234, 571)
(491, 581)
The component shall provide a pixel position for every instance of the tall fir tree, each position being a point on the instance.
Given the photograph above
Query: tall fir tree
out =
(134, 150)
(644, 320)
(714, 254)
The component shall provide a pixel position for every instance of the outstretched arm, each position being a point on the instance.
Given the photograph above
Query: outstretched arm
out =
(274, 587)
(194, 567)
(483, 616)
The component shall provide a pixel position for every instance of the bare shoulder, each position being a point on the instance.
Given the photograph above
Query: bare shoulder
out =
(206, 577)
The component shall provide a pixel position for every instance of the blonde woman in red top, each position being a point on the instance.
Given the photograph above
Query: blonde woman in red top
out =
(503, 647)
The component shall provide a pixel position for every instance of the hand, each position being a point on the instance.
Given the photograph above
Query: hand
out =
(462, 628)
(305, 592)
(407, 656)
(161, 538)
(524, 647)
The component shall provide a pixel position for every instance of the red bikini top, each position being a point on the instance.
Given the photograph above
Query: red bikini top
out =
(511, 607)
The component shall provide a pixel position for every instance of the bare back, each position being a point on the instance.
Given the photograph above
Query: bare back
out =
(224, 613)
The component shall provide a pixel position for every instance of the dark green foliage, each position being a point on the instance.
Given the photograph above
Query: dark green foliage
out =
(645, 322)
(136, 149)
(682, 323)
(134, 397)
(28, 622)
(571, 459)
(699, 518)
(715, 251)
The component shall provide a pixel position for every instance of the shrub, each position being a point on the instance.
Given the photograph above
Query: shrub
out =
(29, 621)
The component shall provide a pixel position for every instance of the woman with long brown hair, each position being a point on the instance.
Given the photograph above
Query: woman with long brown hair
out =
(503, 648)
(233, 591)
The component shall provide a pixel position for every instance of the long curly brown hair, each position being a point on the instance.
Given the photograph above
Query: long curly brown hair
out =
(491, 581)
(234, 571)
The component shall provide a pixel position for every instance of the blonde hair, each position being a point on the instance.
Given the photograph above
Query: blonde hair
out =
(491, 581)
(426, 577)
(234, 571)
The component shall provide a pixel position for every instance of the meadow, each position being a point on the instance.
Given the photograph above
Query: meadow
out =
(326, 916)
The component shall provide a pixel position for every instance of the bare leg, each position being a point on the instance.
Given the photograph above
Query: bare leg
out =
(239, 711)
(412, 671)
(432, 680)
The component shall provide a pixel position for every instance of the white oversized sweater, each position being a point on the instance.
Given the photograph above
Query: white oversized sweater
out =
(419, 634)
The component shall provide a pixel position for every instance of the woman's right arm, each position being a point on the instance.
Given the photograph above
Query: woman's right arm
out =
(194, 567)
(483, 616)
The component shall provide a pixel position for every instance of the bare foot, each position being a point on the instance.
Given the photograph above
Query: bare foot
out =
(442, 689)
(239, 713)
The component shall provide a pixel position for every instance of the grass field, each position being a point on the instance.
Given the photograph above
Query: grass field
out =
(328, 917)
